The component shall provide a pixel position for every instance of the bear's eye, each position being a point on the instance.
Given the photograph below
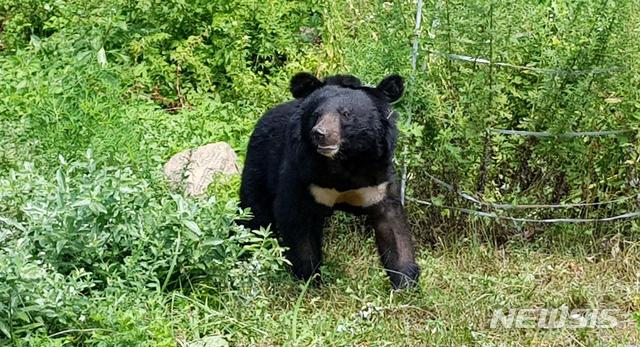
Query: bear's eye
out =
(345, 113)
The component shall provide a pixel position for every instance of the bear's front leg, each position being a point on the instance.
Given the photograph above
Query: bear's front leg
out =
(394, 242)
(300, 221)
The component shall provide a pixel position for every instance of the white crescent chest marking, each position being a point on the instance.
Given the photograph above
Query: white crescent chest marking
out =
(361, 197)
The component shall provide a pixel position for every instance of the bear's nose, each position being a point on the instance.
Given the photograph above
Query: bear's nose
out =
(318, 133)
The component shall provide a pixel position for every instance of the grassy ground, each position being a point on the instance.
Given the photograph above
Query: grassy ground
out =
(461, 285)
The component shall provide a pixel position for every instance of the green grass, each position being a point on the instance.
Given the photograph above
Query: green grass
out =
(461, 285)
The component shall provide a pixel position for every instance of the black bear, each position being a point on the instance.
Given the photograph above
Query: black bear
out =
(330, 148)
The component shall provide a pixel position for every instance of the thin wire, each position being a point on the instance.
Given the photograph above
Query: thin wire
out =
(629, 215)
(562, 135)
(503, 206)
(414, 61)
(478, 60)
(416, 38)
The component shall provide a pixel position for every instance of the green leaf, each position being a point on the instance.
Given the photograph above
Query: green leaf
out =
(81, 203)
(102, 57)
(13, 223)
(97, 208)
(437, 200)
(4, 328)
(191, 225)
(60, 179)
(60, 245)
(35, 42)
(213, 242)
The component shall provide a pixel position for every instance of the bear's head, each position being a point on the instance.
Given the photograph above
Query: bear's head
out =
(342, 119)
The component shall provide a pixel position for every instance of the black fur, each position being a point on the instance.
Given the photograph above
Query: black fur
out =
(282, 162)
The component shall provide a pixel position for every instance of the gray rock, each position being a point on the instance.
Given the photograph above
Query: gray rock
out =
(194, 169)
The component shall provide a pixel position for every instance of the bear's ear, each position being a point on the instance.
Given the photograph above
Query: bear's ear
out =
(391, 87)
(303, 84)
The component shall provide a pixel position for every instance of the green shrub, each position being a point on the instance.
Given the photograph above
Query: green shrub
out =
(22, 21)
(94, 229)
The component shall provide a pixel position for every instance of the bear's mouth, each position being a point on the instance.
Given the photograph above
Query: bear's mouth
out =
(328, 151)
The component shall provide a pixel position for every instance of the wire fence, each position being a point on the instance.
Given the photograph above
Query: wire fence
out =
(555, 72)
(502, 206)
(626, 216)
(569, 134)
(493, 215)
(414, 63)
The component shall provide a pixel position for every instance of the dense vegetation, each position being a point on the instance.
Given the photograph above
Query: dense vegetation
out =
(96, 95)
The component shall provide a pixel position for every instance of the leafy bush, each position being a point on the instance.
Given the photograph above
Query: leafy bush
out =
(23, 21)
(105, 70)
(175, 49)
(97, 228)
(34, 295)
